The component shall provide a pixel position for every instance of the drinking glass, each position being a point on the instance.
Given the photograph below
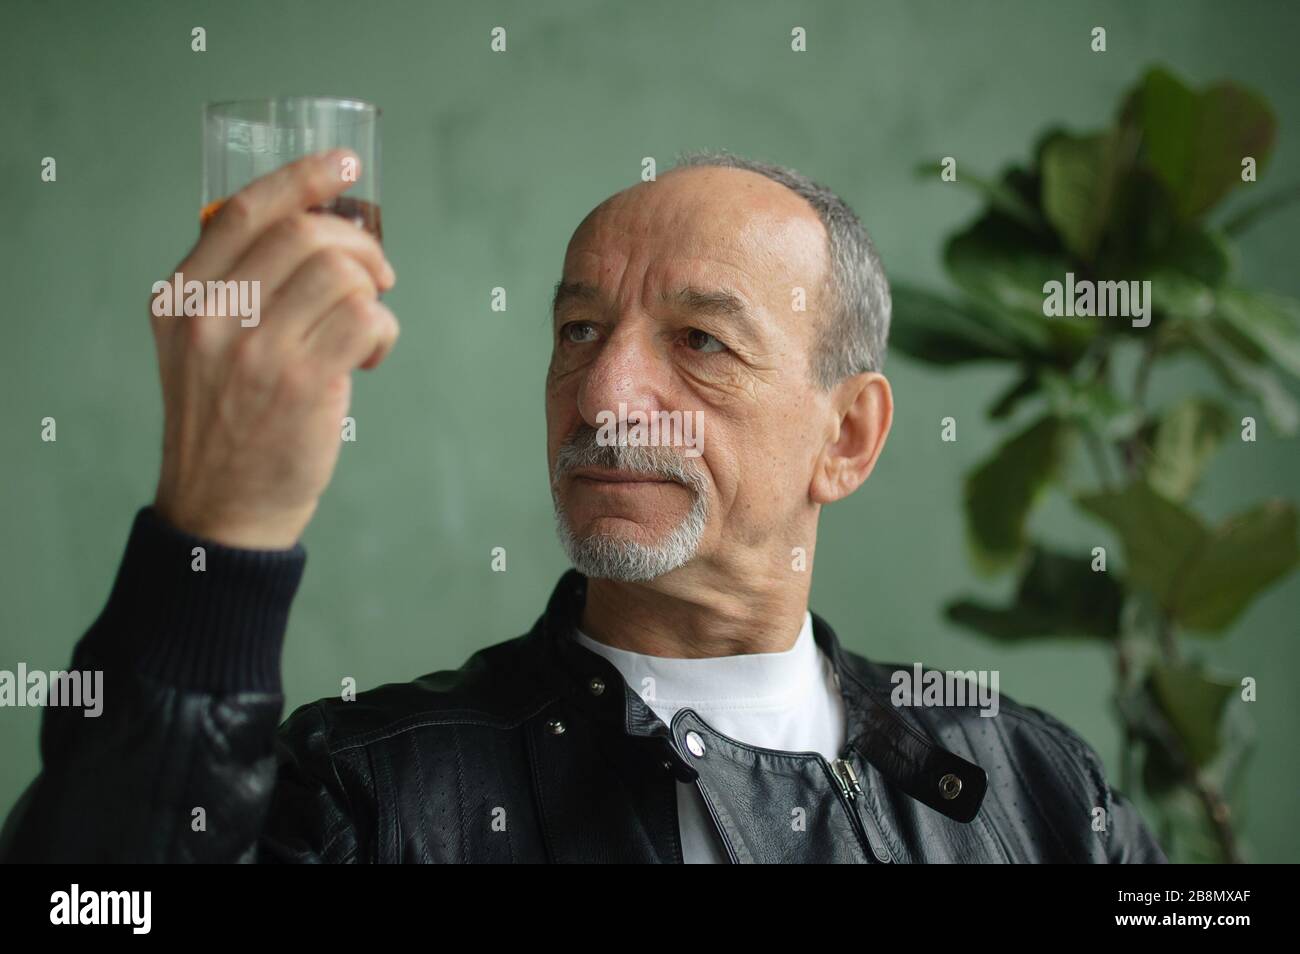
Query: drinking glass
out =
(246, 139)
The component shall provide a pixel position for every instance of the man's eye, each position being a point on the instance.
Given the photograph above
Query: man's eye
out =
(578, 332)
(703, 342)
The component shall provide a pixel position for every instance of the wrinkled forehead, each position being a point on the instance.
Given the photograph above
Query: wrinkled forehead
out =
(737, 223)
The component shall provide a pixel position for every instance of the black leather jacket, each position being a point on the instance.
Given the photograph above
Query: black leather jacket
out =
(535, 751)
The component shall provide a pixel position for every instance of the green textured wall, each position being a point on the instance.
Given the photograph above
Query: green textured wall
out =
(490, 161)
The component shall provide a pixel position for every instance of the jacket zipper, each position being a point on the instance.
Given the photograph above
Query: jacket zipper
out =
(849, 789)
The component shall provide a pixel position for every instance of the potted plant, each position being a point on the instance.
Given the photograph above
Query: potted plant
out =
(1129, 210)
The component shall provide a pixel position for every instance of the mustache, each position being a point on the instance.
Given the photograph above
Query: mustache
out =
(581, 449)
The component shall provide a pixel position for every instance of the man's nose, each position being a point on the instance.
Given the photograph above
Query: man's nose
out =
(629, 370)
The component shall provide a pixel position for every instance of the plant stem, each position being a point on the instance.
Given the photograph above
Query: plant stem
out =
(1143, 375)
(1130, 449)
(1168, 641)
(1220, 815)
(1097, 451)
(1122, 670)
(1217, 810)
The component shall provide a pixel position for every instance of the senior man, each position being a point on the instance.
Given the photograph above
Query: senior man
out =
(675, 702)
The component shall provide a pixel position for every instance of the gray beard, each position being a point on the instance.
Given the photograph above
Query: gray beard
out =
(607, 557)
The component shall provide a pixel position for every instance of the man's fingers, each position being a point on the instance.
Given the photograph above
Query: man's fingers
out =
(309, 181)
(357, 333)
(315, 288)
(389, 330)
(289, 243)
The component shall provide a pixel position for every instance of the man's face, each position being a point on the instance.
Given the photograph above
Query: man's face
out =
(684, 295)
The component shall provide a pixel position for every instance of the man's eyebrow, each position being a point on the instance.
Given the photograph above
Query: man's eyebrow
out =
(566, 292)
(720, 302)
(711, 300)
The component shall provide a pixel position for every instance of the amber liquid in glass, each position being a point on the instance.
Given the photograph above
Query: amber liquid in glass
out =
(363, 214)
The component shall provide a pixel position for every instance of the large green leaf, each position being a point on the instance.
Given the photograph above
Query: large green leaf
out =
(1245, 555)
(1193, 702)
(1271, 322)
(1185, 270)
(1171, 752)
(1143, 223)
(1080, 181)
(1092, 405)
(1174, 293)
(1196, 252)
(1158, 535)
(1243, 367)
(1261, 208)
(1004, 269)
(1023, 388)
(1196, 140)
(930, 328)
(1187, 436)
(1001, 491)
(1059, 595)
(1202, 578)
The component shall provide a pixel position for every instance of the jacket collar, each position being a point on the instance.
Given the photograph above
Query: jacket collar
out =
(899, 750)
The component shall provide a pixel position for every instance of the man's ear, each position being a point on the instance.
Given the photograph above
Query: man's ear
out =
(864, 405)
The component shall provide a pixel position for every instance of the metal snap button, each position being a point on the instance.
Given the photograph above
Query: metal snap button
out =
(596, 685)
(556, 726)
(695, 744)
(950, 786)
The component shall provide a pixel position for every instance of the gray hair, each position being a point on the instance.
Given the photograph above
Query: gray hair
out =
(854, 338)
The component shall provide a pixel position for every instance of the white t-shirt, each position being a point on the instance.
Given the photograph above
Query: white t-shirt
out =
(786, 701)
